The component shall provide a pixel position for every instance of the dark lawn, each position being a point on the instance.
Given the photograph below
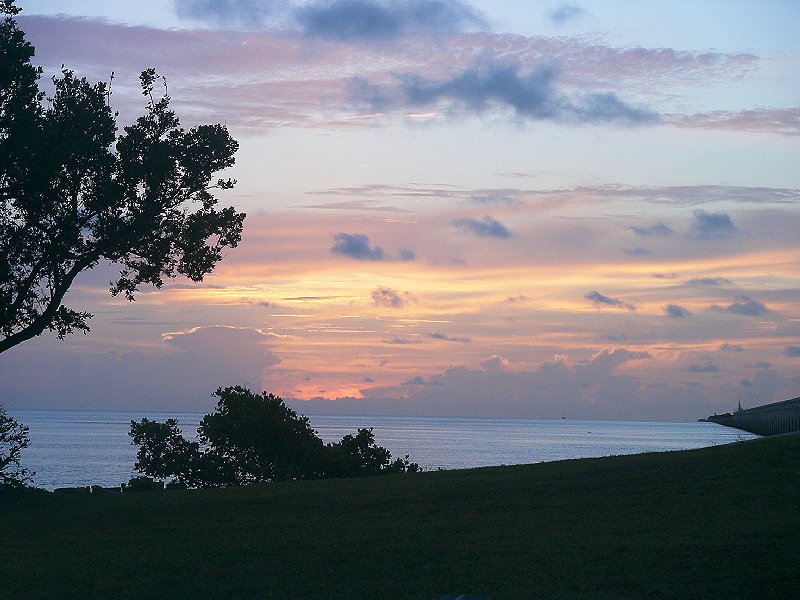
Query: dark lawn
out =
(721, 522)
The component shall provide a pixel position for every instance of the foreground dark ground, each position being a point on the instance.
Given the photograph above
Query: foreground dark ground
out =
(722, 522)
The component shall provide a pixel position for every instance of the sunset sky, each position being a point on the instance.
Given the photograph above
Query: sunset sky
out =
(500, 208)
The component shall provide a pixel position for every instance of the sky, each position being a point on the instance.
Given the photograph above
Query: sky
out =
(509, 209)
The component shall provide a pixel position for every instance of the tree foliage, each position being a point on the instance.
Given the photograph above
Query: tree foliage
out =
(255, 438)
(13, 440)
(73, 193)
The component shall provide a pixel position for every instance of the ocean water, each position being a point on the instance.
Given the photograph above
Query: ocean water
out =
(76, 448)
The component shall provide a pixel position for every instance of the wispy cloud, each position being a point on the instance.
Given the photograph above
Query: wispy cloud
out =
(599, 301)
(776, 121)
(389, 298)
(446, 338)
(341, 20)
(486, 227)
(492, 85)
(712, 281)
(658, 229)
(792, 351)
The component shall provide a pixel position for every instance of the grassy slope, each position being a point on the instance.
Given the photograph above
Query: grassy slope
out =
(721, 522)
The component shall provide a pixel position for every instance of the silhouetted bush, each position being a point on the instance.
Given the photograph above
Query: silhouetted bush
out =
(255, 438)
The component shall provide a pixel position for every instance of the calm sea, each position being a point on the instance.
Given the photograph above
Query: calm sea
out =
(76, 448)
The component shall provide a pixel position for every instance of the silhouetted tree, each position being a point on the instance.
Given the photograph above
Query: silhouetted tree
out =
(359, 456)
(73, 193)
(13, 440)
(255, 438)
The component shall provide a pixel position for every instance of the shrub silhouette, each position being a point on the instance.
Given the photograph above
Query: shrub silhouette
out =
(255, 438)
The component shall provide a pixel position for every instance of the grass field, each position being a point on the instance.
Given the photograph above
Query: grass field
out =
(722, 522)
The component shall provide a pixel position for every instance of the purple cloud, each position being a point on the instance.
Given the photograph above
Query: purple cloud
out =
(356, 245)
(486, 227)
(599, 301)
(676, 311)
(564, 12)
(711, 226)
(389, 298)
(659, 229)
(792, 351)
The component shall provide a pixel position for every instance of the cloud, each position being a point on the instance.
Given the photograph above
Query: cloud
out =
(776, 121)
(249, 13)
(599, 300)
(340, 20)
(446, 338)
(659, 229)
(493, 199)
(746, 306)
(708, 281)
(414, 381)
(637, 251)
(495, 363)
(367, 379)
(401, 341)
(792, 351)
(179, 372)
(676, 311)
(487, 227)
(707, 368)
(730, 348)
(367, 20)
(356, 245)
(389, 298)
(489, 85)
(564, 12)
(711, 226)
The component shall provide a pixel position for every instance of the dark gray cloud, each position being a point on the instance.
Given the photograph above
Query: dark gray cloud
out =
(342, 20)
(711, 226)
(397, 341)
(389, 298)
(356, 245)
(599, 300)
(486, 227)
(706, 368)
(367, 20)
(446, 338)
(487, 85)
(730, 348)
(792, 351)
(637, 251)
(567, 11)
(746, 306)
(676, 311)
(368, 379)
(659, 229)
(708, 281)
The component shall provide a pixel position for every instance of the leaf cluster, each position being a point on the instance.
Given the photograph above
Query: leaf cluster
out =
(13, 440)
(255, 438)
(74, 193)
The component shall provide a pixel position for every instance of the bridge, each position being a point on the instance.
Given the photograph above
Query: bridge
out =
(769, 419)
